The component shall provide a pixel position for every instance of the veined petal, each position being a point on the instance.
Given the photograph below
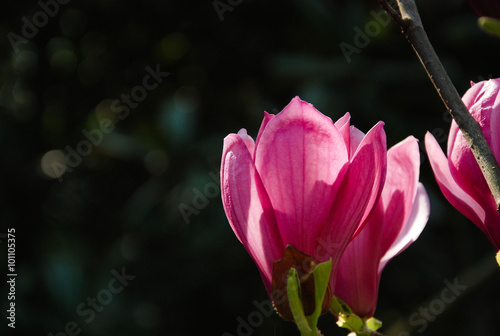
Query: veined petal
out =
(412, 228)
(248, 208)
(357, 278)
(398, 195)
(462, 201)
(300, 156)
(359, 273)
(371, 159)
(356, 197)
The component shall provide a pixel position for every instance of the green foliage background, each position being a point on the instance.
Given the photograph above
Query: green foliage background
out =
(120, 207)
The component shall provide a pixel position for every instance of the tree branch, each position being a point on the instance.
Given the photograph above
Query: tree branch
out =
(412, 28)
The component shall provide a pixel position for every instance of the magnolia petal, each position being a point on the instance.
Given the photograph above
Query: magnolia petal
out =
(483, 102)
(343, 124)
(357, 194)
(300, 156)
(412, 228)
(356, 136)
(471, 95)
(397, 198)
(343, 120)
(248, 141)
(469, 99)
(248, 208)
(358, 274)
(267, 118)
(466, 172)
(357, 280)
(480, 100)
(492, 227)
(371, 154)
(462, 201)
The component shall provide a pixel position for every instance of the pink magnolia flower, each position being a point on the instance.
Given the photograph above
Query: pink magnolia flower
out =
(305, 181)
(397, 220)
(459, 175)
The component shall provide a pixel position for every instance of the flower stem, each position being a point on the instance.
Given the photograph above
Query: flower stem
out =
(411, 26)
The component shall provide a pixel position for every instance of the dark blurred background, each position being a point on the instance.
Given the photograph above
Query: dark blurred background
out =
(120, 210)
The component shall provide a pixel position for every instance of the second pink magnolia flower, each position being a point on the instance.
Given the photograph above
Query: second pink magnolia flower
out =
(459, 175)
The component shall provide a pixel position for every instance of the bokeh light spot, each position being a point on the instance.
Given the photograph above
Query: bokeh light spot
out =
(53, 163)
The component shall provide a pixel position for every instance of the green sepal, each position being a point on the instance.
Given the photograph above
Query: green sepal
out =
(308, 324)
(321, 275)
(490, 25)
(293, 291)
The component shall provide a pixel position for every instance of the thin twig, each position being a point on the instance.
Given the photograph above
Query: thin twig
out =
(388, 8)
(412, 28)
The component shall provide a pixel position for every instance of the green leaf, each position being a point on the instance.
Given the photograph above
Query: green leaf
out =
(373, 324)
(321, 279)
(293, 291)
(490, 25)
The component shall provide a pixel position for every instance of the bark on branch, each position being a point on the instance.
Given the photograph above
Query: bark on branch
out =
(412, 28)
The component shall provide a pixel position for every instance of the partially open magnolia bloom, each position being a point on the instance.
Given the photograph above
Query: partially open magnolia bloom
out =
(397, 220)
(459, 175)
(305, 181)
